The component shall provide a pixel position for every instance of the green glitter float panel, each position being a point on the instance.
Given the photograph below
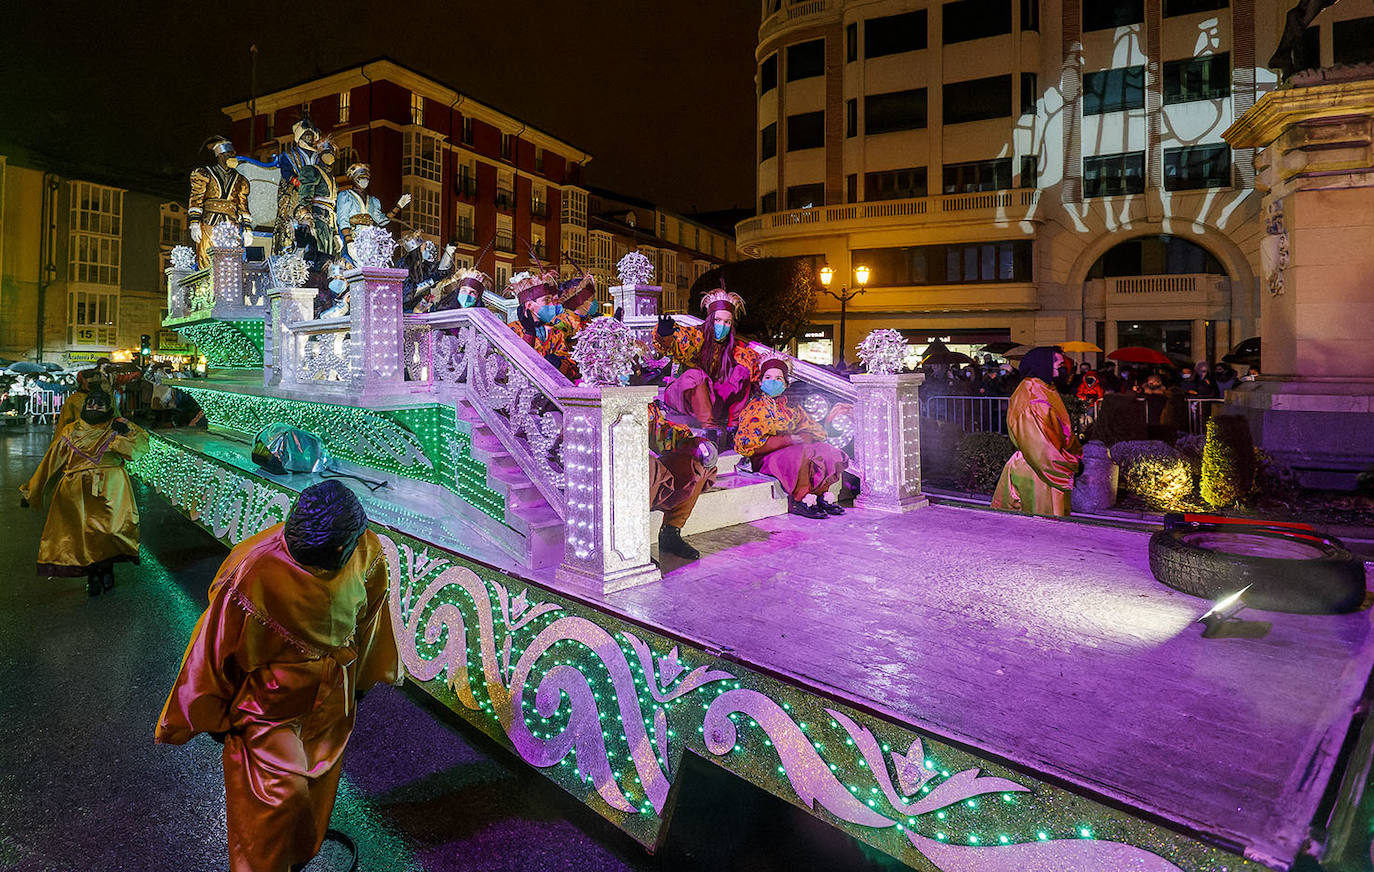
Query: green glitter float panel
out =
(468, 627)
(234, 344)
(421, 442)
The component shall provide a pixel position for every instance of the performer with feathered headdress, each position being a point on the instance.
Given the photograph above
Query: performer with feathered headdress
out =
(717, 365)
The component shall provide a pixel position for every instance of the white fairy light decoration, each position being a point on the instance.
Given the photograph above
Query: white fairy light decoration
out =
(635, 269)
(373, 247)
(604, 351)
(290, 270)
(184, 258)
(882, 352)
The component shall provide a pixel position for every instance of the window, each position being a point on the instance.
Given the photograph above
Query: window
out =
(1352, 42)
(538, 160)
(343, 107)
(1114, 90)
(92, 318)
(768, 202)
(804, 197)
(1199, 166)
(505, 234)
(974, 19)
(601, 251)
(959, 263)
(502, 276)
(417, 109)
(903, 184)
(348, 156)
(1030, 171)
(851, 42)
(851, 117)
(806, 130)
(768, 141)
(980, 175)
(1104, 14)
(467, 131)
(851, 188)
(575, 207)
(96, 234)
(465, 224)
(1207, 78)
(894, 34)
(1187, 7)
(537, 242)
(1030, 15)
(539, 204)
(505, 189)
(420, 155)
(978, 99)
(507, 145)
(466, 181)
(1111, 175)
(899, 110)
(576, 242)
(1030, 93)
(173, 221)
(423, 211)
(806, 60)
(1155, 255)
(768, 74)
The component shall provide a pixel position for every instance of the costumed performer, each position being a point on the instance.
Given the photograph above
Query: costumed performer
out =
(425, 268)
(783, 441)
(304, 151)
(296, 631)
(717, 365)
(1038, 478)
(542, 321)
(318, 193)
(218, 195)
(93, 519)
(101, 377)
(681, 466)
(354, 208)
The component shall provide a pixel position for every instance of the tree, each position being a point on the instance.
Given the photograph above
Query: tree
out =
(779, 295)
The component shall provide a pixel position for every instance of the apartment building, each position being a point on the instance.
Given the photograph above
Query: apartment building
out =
(1027, 170)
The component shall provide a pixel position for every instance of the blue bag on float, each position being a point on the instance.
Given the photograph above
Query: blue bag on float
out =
(281, 448)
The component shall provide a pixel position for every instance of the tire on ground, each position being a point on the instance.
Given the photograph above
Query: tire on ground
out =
(1286, 573)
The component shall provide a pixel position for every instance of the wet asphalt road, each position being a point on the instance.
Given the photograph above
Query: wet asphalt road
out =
(83, 786)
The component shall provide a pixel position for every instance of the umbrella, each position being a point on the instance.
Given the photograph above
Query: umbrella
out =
(1078, 345)
(1139, 354)
(1246, 353)
(946, 357)
(999, 347)
(52, 367)
(26, 367)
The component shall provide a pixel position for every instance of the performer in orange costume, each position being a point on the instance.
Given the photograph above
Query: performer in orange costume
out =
(1038, 478)
(296, 630)
(717, 365)
(93, 521)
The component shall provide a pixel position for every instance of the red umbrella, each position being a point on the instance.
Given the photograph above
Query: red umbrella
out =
(1139, 354)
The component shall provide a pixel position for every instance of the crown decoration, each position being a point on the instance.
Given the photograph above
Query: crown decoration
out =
(635, 269)
(776, 360)
(528, 286)
(720, 295)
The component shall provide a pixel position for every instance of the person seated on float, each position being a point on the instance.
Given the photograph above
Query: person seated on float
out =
(425, 268)
(1038, 478)
(93, 519)
(465, 289)
(542, 321)
(783, 441)
(717, 365)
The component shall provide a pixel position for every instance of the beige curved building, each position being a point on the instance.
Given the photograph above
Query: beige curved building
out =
(1028, 170)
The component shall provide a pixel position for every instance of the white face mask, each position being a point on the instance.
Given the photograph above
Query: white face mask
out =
(362, 182)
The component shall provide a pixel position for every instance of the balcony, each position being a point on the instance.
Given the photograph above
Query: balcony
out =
(794, 13)
(1196, 295)
(539, 209)
(982, 207)
(505, 199)
(466, 187)
(505, 242)
(465, 234)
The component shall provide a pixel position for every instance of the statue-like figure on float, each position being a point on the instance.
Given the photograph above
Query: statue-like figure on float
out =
(219, 195)
(318, 193)
(356, 208)
(304, 151)
(1291, 56)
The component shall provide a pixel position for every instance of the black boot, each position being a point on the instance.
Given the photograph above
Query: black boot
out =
(826, 506)
(107, 576)
(797, 507)
(670, 541)
(93, 584)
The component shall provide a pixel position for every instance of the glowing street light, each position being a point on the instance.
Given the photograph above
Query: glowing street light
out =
(827, 275)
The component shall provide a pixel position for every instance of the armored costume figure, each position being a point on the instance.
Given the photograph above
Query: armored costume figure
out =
(303, 152)
(356, 208)
(297, 630)
(218, 195)
(318, 194)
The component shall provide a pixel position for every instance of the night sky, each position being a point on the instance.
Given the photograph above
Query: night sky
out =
(661, 94)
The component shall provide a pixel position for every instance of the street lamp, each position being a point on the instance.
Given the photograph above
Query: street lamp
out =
(827, 274)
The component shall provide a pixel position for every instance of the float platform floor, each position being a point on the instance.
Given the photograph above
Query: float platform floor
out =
(1044, 643)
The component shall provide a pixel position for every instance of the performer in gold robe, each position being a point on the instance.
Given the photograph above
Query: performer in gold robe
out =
(297, 629)
(218, 194)
(1038, 478)
(93, 520)
(101, 377)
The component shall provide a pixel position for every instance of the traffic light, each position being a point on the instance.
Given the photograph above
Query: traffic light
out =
(145, 346)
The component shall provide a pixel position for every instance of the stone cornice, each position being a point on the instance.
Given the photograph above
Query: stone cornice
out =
(1278, 110)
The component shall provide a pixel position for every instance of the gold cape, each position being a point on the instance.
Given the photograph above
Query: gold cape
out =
(1038, 478)
(93, 517)
(276, 662)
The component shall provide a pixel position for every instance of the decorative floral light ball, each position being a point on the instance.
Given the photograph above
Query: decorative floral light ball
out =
(604, 351)
(882, 352)
(373, 246)
(290, 270)
(184, 258)
(635, 269)
(226, 234)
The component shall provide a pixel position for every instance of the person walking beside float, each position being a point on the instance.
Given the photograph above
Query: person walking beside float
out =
(1038, 478)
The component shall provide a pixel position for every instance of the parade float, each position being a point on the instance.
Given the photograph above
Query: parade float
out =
(961, 689)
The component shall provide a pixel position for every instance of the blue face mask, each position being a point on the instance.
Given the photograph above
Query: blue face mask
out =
(548, 313)
(625, 379)
(773, 387)
(722, 331)
(337, 285)
(593, 309)
(466, 300)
